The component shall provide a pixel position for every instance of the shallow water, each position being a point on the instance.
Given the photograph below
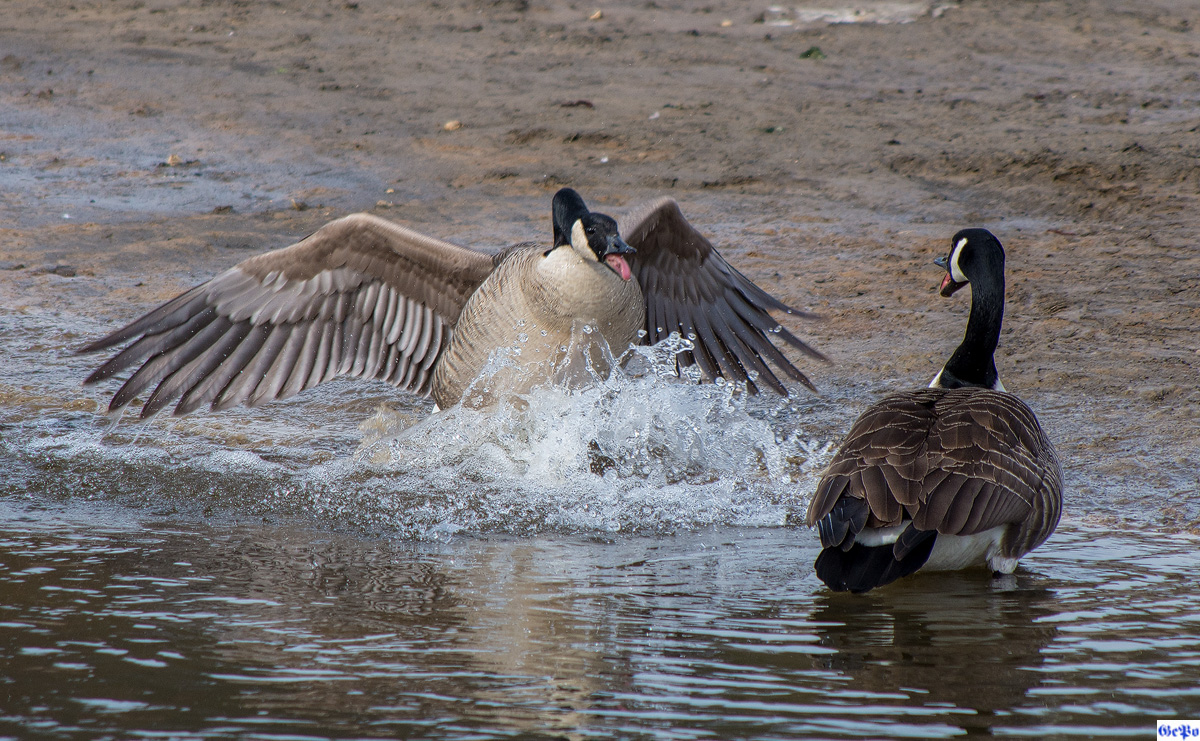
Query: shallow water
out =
(121, 623)
(608, 563)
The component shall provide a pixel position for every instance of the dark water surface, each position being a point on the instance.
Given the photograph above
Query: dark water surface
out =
(121, 624)
(613, 563)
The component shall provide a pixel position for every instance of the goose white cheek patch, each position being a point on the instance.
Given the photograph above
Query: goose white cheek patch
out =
(617, 263)
(955, 271)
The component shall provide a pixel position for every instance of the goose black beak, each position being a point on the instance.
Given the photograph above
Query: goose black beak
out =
(618, 246)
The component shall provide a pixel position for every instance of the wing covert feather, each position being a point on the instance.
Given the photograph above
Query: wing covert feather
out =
(958, 461)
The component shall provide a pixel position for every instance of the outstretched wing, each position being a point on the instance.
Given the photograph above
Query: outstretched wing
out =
(361, 297)
(956, 461)
(690, 289)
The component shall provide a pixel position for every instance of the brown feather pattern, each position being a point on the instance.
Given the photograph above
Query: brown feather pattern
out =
(368, 298)
(690, 289)
(958, 461)
(360, 297)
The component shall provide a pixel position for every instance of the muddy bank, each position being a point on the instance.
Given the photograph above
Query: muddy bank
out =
(145, 146)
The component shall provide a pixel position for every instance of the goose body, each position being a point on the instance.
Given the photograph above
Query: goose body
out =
(368, 298)
(530, 304)
(956, 475)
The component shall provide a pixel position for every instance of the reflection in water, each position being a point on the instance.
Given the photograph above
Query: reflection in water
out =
(957, 640)
(115, 625)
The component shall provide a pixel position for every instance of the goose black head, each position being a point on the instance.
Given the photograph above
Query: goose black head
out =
(972, 251)
(593, 235)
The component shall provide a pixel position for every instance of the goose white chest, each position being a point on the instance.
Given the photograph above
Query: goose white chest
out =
(528, 306)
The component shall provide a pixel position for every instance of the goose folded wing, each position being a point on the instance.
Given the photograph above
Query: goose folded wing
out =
(689, 288)
(993, 464)
(883, 460)
(359, 297)
(959, 462)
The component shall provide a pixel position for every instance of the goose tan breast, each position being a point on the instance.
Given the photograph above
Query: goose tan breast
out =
(528, 305)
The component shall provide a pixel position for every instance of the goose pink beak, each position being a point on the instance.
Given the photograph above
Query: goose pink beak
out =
(618, 264)
(949, 286)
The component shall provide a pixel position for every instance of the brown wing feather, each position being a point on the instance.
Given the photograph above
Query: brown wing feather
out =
(690, 289)
(361, 297)
(956, 461)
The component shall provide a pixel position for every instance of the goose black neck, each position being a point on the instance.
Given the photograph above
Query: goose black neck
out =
(974, 363)
(568, 207)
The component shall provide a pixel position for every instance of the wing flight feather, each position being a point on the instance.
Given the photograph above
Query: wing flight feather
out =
(690, 289)
(361, 296)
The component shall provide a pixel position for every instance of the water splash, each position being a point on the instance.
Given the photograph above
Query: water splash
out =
(639, 450)
(636, 450)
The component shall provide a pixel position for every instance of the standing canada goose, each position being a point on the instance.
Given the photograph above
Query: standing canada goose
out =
(956, 475)
(365, 297)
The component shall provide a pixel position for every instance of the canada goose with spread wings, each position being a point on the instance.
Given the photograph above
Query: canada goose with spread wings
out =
(368, 298)
(956, 475)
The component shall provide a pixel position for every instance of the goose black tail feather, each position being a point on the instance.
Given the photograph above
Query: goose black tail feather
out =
(862, 568)
(845, 519)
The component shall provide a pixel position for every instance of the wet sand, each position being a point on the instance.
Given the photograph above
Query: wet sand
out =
(146, 146)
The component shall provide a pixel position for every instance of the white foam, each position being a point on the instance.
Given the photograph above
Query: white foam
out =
(634, 451)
